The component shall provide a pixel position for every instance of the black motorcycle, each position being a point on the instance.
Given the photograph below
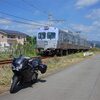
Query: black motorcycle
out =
(25, 70)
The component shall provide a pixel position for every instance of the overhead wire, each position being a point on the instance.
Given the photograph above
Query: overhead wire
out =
(16, 6)
(21, 22)
(36, 23)
(33, 6)
(19, 17)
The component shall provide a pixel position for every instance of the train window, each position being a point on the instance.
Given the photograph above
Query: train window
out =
(41, 35)
(51, 35)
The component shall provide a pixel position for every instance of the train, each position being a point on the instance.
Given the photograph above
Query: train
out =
(55, 41)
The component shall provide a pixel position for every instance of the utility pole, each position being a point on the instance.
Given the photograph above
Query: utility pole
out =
(51, 21)
(50, 17)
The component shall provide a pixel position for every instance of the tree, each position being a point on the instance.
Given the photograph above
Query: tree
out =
(31, 40)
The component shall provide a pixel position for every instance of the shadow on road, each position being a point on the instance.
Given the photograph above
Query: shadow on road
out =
(26, 85)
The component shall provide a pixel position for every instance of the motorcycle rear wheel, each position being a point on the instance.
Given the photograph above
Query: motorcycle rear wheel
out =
(34, 78)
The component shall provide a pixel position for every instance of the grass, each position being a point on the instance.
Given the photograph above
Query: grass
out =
(95, 50)
(5, 75)
(4, 55)
(58, 63)
(7, 55)
(54, 64)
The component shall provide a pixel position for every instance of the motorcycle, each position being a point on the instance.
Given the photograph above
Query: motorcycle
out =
(25, 70)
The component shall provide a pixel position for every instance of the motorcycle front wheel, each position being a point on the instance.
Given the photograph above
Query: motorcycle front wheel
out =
(13, 84)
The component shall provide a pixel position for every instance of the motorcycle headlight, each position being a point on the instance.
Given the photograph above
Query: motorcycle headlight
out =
(17, 67)
(20, 67)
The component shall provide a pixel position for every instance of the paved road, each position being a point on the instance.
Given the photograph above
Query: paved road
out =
(79, 82)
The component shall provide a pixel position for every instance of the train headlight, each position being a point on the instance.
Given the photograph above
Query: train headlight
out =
(45, 42)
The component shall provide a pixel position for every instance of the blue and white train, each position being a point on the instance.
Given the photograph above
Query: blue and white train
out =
(53, 41)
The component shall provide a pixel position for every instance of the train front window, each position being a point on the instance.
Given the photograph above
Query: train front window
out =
(41, 35)
(51, 35)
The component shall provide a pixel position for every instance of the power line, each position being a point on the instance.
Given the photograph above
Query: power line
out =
(6, 2)
(21, 22)
(35, 23)
(21, 17)
(16, 21)
(50, 20)
(33, 6)
(17, 17)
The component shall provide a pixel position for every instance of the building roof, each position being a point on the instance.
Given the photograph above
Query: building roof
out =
(11, 32)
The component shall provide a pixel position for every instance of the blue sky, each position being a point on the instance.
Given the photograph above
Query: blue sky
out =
(79, 15)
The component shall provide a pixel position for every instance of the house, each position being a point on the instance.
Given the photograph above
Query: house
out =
(9, 38)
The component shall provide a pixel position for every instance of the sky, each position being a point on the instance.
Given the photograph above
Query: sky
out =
(27, 15)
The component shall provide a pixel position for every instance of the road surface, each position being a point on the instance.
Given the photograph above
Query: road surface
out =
(79, 82)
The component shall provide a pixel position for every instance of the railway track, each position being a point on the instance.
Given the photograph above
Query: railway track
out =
(2, 62)
(9, 61)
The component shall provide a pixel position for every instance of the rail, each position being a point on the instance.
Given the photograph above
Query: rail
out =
(9, 61)
(2, 62)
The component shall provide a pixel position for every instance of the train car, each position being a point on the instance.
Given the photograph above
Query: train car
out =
(53, 41)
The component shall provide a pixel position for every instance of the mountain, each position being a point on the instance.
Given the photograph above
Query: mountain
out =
(95, 43)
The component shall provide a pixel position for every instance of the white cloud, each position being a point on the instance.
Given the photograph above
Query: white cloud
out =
(5, 21)
(82, 28)
(96, 23)
(95, 14)
(91, 32)
(26, 28)
(84, 3)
